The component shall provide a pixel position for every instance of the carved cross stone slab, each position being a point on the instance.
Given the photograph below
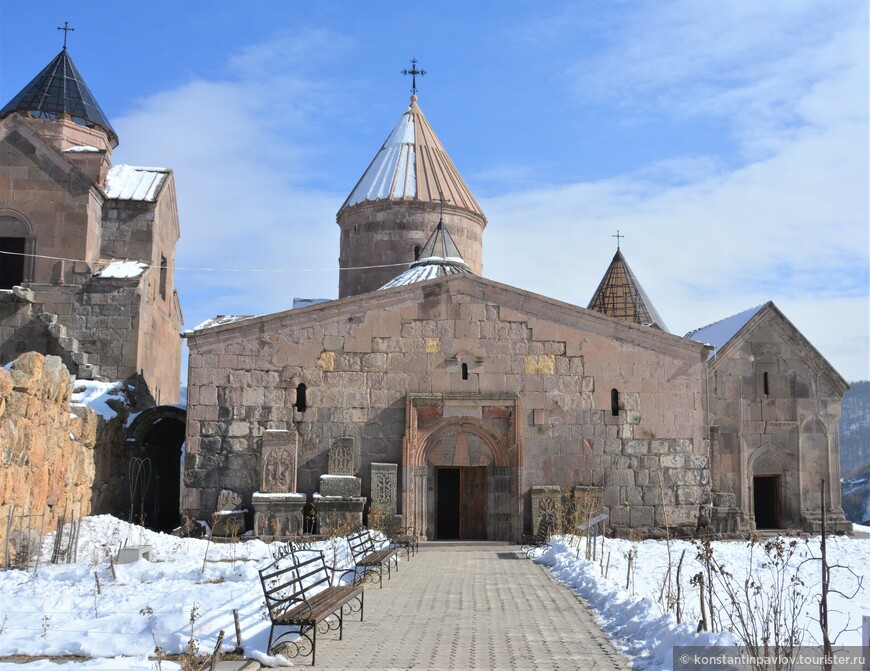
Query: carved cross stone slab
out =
(384, 487)
(278, 472)
(342, 457)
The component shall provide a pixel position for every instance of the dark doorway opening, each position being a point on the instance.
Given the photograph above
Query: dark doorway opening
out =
(461, 503)
(11, 262)
(447, 503)
(766, 499)
(162, 448)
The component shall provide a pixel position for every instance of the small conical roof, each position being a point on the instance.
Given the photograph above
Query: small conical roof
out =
(412, 165)
(439, 257)
(620, 295)
(60, 89)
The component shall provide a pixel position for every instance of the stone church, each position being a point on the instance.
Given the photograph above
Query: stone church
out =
(87, 256)
(472, 409)
(469, 408)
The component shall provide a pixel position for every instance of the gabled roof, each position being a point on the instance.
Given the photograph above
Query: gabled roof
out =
(718, 334)
(412, 165)
(439, 257)
(127, 182)
(620, 295)
(730, 333)
(60, 89)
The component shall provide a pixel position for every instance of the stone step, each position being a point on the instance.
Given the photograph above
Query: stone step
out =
(57, 330)
(87, 371)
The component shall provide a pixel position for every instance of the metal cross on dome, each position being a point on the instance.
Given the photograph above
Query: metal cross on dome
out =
(413, 72)
(66, 30)
(617, 236)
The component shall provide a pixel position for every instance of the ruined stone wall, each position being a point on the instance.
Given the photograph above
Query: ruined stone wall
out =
(47, 446)
(361, 358)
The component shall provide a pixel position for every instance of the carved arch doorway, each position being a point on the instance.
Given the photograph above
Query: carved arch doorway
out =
(461, 467)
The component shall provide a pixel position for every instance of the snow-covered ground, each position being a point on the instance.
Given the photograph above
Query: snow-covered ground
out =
(638, 622)
(59, 609)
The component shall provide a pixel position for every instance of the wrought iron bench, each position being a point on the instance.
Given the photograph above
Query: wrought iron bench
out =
(539, 539)
(407, 539)
(301, 596)
(372, 559)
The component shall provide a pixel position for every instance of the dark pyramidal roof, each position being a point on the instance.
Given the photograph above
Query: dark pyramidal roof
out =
(620, 295)
(60, 89)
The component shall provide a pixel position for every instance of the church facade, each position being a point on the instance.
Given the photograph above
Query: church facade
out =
(472, 408)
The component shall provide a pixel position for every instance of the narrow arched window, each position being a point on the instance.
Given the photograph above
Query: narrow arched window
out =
(465, 371)
(766, 383)
(614, 402)
(301, 404)
(163, 276)
(416, 252)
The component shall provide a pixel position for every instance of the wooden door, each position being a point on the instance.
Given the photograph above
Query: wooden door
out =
(472, 515)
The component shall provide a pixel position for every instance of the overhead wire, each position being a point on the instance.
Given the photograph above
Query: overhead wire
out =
(219, 270)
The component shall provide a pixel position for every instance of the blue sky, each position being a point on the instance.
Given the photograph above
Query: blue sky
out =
(728, 141)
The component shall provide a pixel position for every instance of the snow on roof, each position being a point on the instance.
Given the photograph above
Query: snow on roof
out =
(392, 173)
(127, 182)
(718, 334)
(123, 269)
(81, 148)
(220, 320)
(434, 268)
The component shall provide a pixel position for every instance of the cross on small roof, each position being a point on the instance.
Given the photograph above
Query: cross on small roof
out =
(617, 236)
(413, 72)
(66, 30)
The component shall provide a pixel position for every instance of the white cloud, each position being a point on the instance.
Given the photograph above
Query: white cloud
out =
(707, 234)
(788, 222)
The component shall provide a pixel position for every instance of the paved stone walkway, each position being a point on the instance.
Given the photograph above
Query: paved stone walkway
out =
(470, 607)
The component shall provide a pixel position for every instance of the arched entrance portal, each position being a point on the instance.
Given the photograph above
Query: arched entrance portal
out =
(460, 471)
(154, 470)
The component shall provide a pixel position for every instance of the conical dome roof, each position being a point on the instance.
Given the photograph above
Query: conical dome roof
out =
(412, 165)
(620, 295)
(439, 257)
(60, 89)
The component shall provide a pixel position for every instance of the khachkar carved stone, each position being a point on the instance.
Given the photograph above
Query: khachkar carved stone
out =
(342, 457)
(384, 488)
(278, 472)
(546, 505)
(277, 506)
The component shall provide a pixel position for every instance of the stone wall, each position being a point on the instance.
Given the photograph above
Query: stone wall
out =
(479, 349)
(47, 446)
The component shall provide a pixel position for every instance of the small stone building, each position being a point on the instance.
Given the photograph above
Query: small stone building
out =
(86, 247)
(87, 257)
(472, 408)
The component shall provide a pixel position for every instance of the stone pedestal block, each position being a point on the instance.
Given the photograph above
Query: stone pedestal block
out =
(277, 515)
(547, 504)
(229, 523)
(336, 514)
(340, 485)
